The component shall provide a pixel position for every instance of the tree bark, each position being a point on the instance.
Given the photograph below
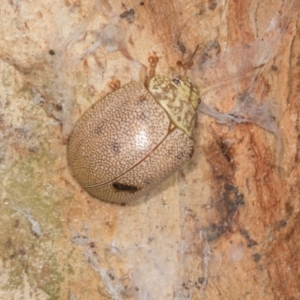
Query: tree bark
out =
(226, 226)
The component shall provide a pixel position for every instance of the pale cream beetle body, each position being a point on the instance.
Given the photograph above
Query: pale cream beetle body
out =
(134, 138)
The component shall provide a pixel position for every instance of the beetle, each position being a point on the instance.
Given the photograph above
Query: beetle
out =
(135, 137)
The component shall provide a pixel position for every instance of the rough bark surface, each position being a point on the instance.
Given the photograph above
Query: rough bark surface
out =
(226, 226)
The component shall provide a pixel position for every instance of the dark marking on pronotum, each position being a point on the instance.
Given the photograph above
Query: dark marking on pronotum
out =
(124, 187)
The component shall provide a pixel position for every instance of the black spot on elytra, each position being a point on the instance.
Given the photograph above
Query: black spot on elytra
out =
(98, 128)
(116, 147)
(141, 99)
(124, 187)
(179, 155)
(147, 181)
(143, 116)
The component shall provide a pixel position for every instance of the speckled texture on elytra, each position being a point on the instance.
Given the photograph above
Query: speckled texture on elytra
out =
(125, 145)
(175, 150)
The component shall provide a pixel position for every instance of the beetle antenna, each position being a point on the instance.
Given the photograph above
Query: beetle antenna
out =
(233, 76)
(190, 62)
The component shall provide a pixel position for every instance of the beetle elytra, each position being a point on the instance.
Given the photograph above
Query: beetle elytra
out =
(134, 138)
